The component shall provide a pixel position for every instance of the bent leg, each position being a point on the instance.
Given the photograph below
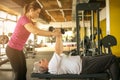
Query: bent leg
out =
(100, 64)
(114, 69)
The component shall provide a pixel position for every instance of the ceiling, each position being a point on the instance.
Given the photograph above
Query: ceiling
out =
(52, 10)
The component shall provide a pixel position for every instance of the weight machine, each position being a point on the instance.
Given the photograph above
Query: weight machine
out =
(29, 49)
(3, 41)
(86, 15)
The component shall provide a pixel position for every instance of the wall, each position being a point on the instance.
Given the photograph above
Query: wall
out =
(103, 27)
(103, 21)
(115, 24)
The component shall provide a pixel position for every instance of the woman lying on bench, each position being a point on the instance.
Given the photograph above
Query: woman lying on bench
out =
(64, 64)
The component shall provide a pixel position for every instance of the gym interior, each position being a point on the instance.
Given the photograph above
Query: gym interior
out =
(92, 25)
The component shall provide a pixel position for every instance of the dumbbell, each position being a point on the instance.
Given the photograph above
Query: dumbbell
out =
(52, 28)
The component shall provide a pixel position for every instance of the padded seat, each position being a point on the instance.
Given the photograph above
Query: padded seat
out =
(48, 76)
(109, 41)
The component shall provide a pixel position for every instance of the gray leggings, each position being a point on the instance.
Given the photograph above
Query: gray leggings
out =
(96, 64)
(18, 63)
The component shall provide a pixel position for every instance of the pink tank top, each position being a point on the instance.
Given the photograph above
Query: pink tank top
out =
(20, 34)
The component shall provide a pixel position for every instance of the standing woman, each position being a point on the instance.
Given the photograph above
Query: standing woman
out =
(24, 27)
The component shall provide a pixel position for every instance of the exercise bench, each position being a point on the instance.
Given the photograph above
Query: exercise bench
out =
(48, 76)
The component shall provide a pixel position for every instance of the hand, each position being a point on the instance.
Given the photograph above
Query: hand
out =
(57, 32)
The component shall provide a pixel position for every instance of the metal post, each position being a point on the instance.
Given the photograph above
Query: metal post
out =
(78, 35)
(98, 32)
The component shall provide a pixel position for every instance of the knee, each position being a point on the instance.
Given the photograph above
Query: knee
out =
(114, 58)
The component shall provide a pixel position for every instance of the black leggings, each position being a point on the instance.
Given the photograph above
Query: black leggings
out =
(100, 64)
(18, 63)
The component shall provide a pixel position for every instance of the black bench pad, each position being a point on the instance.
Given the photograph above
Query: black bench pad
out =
(68, 76)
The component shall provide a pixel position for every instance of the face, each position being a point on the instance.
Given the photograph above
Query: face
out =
(44, 63)
(34, 13)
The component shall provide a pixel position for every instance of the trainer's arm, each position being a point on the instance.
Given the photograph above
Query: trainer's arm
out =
(35, 30)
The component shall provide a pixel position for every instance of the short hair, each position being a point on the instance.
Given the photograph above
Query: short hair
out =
(38, 69)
